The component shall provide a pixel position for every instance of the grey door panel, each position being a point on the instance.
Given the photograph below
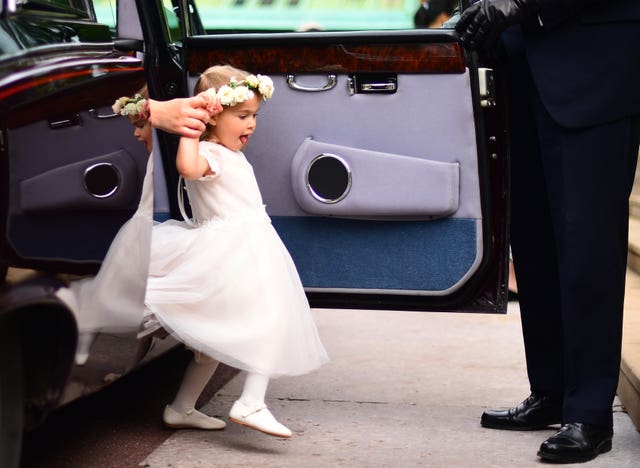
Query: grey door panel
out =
(51, 212)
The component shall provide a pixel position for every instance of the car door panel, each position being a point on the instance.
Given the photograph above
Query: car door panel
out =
(428, 257)
(410, 227)
(49, 193)
(73, 174)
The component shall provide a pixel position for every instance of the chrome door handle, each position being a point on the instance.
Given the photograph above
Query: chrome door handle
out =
(70, 121)
(372, 83)
(94, 113)
(331, 83)
(379, 87)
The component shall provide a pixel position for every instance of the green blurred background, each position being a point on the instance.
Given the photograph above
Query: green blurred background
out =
(291, 15)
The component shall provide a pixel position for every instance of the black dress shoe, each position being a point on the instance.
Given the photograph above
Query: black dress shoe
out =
(576, 443)
(536, 412)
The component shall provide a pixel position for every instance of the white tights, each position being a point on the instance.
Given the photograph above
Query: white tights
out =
(198, 374)
(196, 377)
(254, 390)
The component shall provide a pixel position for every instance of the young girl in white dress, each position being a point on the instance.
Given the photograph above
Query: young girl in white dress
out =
(224, 283)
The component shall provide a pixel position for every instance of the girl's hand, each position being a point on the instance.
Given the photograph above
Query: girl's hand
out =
(212, 100)
(184, 116)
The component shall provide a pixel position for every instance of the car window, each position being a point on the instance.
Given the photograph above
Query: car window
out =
(106, 12)
(225, 16)
(306, 14)
(173, 22)
(315, 15)
(75, 7)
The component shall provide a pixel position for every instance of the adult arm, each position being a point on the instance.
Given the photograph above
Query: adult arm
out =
(184, 116)
(481, 24)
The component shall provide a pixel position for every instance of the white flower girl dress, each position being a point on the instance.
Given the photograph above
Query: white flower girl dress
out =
(225, 284)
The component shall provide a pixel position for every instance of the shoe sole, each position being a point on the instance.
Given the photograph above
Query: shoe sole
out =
(273, 434)
(518, 428)
(604, 448)
(190, 426)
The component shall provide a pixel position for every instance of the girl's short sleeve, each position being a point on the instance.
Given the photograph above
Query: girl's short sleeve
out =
(213, 157)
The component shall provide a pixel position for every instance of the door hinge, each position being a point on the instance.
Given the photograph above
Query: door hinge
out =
(487, 87)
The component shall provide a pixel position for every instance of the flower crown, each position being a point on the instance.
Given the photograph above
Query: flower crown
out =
(135, 106)
(238, 91)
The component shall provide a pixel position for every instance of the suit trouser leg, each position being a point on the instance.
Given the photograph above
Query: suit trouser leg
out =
(569, 237)
(533, 241)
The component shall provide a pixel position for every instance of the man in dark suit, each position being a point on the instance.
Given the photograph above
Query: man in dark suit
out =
(573, 80)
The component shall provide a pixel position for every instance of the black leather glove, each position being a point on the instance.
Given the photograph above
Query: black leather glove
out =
(481, 24)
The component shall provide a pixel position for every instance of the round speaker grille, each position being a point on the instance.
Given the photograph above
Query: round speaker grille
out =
(101, 180)
(328, 178)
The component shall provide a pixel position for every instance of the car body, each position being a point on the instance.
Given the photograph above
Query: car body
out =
(381, 158)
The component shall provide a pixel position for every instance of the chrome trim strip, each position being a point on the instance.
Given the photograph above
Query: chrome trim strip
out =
(67, 48)
(94, 65)
(96, 115)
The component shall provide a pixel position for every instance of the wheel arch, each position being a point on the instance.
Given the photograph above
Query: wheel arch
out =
(47, 337)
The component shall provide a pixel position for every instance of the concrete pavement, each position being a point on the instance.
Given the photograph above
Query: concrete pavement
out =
(403, 389)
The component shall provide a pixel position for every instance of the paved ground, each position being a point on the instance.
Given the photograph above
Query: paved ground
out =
(403, 389)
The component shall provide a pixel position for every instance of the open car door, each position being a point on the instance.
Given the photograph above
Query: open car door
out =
(381, 156)
(71, 170)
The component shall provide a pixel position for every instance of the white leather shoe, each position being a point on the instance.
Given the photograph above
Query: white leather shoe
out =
(259, 418)
(192, 419)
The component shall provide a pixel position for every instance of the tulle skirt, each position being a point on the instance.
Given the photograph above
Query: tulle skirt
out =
(113, 300)
(229, 289)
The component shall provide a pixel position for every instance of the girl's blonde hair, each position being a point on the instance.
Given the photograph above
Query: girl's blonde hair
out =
(215, 77)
